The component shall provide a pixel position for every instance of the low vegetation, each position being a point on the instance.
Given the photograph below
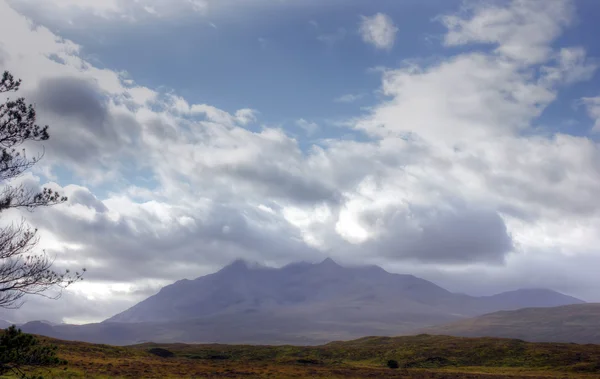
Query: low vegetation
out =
(21, 353)
(422, 356)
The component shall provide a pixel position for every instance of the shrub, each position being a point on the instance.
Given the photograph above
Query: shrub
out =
(163, 353)
(20, 351)
(392, 364)
(305, 361)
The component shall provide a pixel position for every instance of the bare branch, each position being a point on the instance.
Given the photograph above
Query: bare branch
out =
(22, 197)
(22, 271)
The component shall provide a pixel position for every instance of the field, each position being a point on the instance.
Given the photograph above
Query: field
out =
(420, 356)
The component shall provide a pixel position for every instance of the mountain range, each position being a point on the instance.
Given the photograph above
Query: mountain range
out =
(301, 303)
(578, 323)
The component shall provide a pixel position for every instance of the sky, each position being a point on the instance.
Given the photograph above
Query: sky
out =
(453, 140)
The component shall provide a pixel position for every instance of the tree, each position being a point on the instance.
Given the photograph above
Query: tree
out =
(19, 350)
(22, 271)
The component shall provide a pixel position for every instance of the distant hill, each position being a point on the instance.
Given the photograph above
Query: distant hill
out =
(5, 324)
(300, 303)
(578, 323)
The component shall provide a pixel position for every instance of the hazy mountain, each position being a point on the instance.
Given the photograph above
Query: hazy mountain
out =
(523, 298)
(326, 290)
(5, 324)
(578, 323)
(299, 303)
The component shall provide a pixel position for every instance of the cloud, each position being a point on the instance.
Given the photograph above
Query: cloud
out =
(3, 56)
(522, 31)
(309, 127)
(332, 38)
(241, 117)
(378, 30)
(593, 108)
(455, 236)
(82, 303)
(113, 9)
(118, 240)
(573, 66)
(73, 97)
(349, 98)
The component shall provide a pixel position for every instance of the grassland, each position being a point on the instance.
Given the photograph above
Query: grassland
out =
(420, 356)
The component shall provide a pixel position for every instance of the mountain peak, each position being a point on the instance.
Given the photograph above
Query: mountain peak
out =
(328, 262)
(241, 265)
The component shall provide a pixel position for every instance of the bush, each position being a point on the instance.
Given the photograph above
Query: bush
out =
(305, 361)
(392, 364)
(20, 351)
(163, 353)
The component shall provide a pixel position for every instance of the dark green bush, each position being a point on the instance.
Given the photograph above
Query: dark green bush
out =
(392, 364)
(19, 351)
(163, 353)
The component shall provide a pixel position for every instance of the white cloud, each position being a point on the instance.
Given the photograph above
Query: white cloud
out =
(349, 98)
(593, 108)
(378, 30)
(123, 10)
(474, 96)
(570, 65)
(241, 116)
(309, 127)
(522, 31)
(100, 6)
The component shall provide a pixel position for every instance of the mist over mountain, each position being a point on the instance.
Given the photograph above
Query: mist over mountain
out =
(301, 303)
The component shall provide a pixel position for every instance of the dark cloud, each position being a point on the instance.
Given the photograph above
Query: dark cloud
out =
(74, 97)
(83, 196)
(274, 180)
(85, 133)
(442, 236)
(146, 245)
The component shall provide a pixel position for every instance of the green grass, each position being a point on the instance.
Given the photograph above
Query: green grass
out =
(420, 356)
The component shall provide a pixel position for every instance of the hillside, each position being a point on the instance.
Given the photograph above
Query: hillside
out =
(302, 304)
(578, 323)
(420, 356)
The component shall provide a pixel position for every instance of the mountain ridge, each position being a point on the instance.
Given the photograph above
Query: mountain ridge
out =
(301, 303)
(244, 286)
(578, 323)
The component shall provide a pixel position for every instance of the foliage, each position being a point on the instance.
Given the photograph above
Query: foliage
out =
(392, 364)
(22, 271)
(160, 352)
(19, 350)
(422, 357)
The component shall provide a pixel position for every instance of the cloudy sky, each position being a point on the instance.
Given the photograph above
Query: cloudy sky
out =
(457, 141)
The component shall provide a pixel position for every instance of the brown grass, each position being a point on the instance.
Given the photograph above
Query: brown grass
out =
(418, 356)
